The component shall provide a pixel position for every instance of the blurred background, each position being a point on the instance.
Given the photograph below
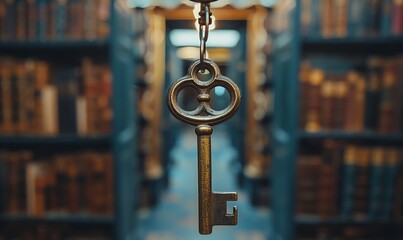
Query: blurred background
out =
(89, 150)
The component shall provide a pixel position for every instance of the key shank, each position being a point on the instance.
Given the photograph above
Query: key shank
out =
(212, 206)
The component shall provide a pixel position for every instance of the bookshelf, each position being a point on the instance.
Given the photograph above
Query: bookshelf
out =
(292, 46)
(114, 48)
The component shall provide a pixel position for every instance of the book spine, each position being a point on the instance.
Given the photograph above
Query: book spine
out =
(2, 20)
(348, 182)
(103, 7)
(376, 186)
(49, 109)
(15, 100)
(397, 21)
(314, 29)
(61, 183)
(72, 184)
(341, 17)
(327, 104)
(41, 20)
(327, 18)
(3, 182)
(372, 96)
(21, 12)
(7, 127)
(392, 159)
(361, 194)
(340, 104)
(10, 25)
(32, 20)
(316, 80)
(306, 16)
(90, 20)
(388, 105)
(386, 21)
(60, 19)
(66, 81)
(22, 123)
(399, 95)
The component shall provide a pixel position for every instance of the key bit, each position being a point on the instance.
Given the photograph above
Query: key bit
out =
(212, 206)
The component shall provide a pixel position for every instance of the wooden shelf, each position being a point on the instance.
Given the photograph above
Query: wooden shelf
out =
(30, 142)
(316, 221)
(359, 136)
(76, 219)
(368, 45)
(54, 44)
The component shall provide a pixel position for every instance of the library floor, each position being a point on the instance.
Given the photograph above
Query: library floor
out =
(176, 217)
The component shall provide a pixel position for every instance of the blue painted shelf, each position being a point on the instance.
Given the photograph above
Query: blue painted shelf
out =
(358, 136)
(54, 44)
(368, 45)
(314, 221)
(73, 219)
(380, 40)
(59, 141)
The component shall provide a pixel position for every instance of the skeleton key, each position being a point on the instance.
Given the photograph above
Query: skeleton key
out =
(212, 206)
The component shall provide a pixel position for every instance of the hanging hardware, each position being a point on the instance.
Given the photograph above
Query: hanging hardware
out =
(212, 206)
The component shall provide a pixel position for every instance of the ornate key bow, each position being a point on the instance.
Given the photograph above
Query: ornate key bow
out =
(204, 114)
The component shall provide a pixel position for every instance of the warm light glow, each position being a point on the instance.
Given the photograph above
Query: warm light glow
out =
(217, 38)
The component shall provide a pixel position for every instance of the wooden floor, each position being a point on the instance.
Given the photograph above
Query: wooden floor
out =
(175, 218)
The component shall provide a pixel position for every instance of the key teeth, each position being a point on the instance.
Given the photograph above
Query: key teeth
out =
(221, 216)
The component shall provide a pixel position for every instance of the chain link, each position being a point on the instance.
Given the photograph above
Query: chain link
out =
(204, 27)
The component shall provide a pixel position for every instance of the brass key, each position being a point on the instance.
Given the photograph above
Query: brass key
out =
(212, 206)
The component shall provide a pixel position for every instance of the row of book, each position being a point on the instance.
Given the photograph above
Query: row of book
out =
(30, 20)
(348, 232)
(351, 182)
(36, 99)
(355, 18)
(353, 99)
(41, 231)
(80, 183)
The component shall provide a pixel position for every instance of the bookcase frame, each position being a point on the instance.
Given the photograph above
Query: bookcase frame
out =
(119, 50)
(289, 48)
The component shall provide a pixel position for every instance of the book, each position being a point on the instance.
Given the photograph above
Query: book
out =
(388, 106)
(349, 173)
(387, 17)
(21, 21)
(389, 187)
(42, 19)
(36, 183)
(397, 20)
(377, 169)
(313, 95)
(372, 94)
(3, 183)
(67, 90)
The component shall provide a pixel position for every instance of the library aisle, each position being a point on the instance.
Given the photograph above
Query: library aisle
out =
(176, 217)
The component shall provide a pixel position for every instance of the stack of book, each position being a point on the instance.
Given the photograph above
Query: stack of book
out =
(32, 20)
(55, 185)
(352, 182)
(357, 98)
(38, 100)
(354, 18)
